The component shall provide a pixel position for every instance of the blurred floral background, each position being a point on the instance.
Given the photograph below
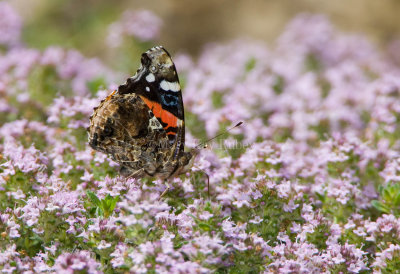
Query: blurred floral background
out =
(309, 183)
(188, 27)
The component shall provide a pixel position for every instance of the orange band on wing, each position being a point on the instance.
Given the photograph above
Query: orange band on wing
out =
(165, 116)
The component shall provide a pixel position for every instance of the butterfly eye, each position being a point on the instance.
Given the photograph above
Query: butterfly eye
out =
(153, 68)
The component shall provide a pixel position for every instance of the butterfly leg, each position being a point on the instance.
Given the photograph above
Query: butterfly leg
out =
(165, 191)
(208, 182)
(132, 175)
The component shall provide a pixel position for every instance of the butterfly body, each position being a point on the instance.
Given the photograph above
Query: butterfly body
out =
(141, 125)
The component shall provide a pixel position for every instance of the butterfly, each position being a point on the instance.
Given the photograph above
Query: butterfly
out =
(141, 125)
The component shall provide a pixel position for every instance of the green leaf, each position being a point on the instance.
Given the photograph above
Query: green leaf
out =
(114, 203)
(95, 200)
(380, 206)
(396, 201)
(99, 212)
(387, 194)
(204, 226)
(208, 207)
(180, 244)
(106, 202)
(320, 196)
(380, 189)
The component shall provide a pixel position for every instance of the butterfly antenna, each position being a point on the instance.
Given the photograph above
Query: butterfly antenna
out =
(216, 136)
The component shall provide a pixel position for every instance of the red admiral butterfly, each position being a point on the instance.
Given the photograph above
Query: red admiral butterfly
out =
(141, 125)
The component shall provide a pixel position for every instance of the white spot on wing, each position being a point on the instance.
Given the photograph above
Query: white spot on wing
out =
(172, 86)
(150, 78)
(154, 49)
(147, 89)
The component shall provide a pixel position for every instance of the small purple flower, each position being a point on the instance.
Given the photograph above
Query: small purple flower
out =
(13, 228)
(8, 254)
(137, 258)
(87, 177)
(68, 202)
(52, 249)
(119, 255)
(387, 254)
(26, 160)
(103, 245)
(78, 261)
(31, 211)
(41, 265)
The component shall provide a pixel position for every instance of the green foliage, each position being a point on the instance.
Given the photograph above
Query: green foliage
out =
(45, 85)
(322, 129)
(312, 63)
(279, 84)
(389, 201)
(319, 236)
(337, 211)
(250, 65)
(83, 24)
(325, 87)
(96, 84)
(245, 262)
(104, 207)
(18, 181)
(197, 127)
(217, 99)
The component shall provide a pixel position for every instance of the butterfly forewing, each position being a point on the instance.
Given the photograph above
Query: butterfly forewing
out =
(157, 83)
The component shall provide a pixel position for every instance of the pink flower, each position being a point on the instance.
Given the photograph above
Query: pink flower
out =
(118, 255)
(103, 245)
(387, 254)
(78, 261)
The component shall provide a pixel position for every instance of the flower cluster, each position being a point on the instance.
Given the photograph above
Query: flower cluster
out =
(309, 183)
(142, 25)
